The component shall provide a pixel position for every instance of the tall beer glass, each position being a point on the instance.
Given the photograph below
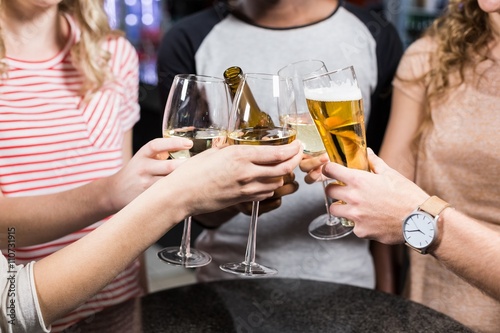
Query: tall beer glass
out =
(336, 106)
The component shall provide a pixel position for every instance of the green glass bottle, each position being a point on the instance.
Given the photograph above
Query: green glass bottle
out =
(255, 117)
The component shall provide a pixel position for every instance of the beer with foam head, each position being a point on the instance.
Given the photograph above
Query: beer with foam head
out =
(337, 112)
(335, 103)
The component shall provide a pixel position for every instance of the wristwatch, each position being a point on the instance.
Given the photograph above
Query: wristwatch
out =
(420, 228)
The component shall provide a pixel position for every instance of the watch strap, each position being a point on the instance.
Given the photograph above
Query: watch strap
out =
(421, 251)
(434, 206)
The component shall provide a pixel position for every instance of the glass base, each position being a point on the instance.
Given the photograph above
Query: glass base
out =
(253, 270)
(173, 256)
(323, 229)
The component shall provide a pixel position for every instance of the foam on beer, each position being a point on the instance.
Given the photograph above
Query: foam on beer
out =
(337, 93)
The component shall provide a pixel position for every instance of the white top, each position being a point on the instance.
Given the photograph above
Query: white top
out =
(19, 308)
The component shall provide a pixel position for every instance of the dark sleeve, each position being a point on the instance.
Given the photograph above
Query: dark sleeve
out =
(389, 50)
(178, 47)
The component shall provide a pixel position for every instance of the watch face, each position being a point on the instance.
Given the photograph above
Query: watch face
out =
(419, 230)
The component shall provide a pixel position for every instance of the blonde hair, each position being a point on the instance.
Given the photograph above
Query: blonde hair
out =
(88, 56)
(462, 35)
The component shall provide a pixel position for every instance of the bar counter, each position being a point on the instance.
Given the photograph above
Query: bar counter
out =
(271, 305)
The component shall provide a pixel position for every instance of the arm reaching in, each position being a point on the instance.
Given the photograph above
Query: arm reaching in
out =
(383, 255)
(377, 202)
(43, 218)
(202, 184)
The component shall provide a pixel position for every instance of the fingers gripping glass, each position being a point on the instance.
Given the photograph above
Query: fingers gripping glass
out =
(197, 109)
(336, 106)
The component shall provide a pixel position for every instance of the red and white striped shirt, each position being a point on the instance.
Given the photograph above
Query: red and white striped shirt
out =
(50, 142)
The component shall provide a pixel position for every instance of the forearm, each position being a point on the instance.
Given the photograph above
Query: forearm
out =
(378, 201)
(471, 250)
(88, 265)
(43, 218)
(39, 219)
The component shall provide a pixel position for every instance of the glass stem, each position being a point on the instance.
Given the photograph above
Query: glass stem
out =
(185, 249)
(332, 220)
(252, 233)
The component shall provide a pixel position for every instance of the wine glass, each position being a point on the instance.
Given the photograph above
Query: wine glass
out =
(256, 120)
(198, 109)
(326, 226)
(336, 106)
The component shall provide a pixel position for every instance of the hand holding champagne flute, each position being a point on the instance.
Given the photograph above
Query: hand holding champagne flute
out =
(326, 226)
(272, 95)
(198, 109)
(336, 106)
(300, 118)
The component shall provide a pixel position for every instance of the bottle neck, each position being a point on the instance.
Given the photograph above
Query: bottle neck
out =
(233, 77)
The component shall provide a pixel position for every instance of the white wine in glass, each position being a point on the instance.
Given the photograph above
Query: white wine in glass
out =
(197, 109)
(336, 105)
(273, 95)
(307, 133)
(326, 226)
(300, 118)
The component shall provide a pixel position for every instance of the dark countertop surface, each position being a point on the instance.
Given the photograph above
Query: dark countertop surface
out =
(287, 305)
(271, 305)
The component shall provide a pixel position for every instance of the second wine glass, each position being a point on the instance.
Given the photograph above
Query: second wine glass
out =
(256, 119)
(198, 109)
(326, 226)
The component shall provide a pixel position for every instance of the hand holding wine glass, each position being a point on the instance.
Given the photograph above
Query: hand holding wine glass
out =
(198, 109)
(327, 226)
(300, 118)
(257, 119)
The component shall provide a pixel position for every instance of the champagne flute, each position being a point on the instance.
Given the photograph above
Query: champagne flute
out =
(198, 109)
(326, 226)
(257, 120)
(336, 106)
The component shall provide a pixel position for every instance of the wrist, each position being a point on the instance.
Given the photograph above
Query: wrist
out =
(423, 226)
(103, 194)
(441, 224)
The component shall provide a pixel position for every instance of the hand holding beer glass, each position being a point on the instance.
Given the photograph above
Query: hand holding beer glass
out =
(336, 106)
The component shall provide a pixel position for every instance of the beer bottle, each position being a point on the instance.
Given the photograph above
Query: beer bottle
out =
(256, 118)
